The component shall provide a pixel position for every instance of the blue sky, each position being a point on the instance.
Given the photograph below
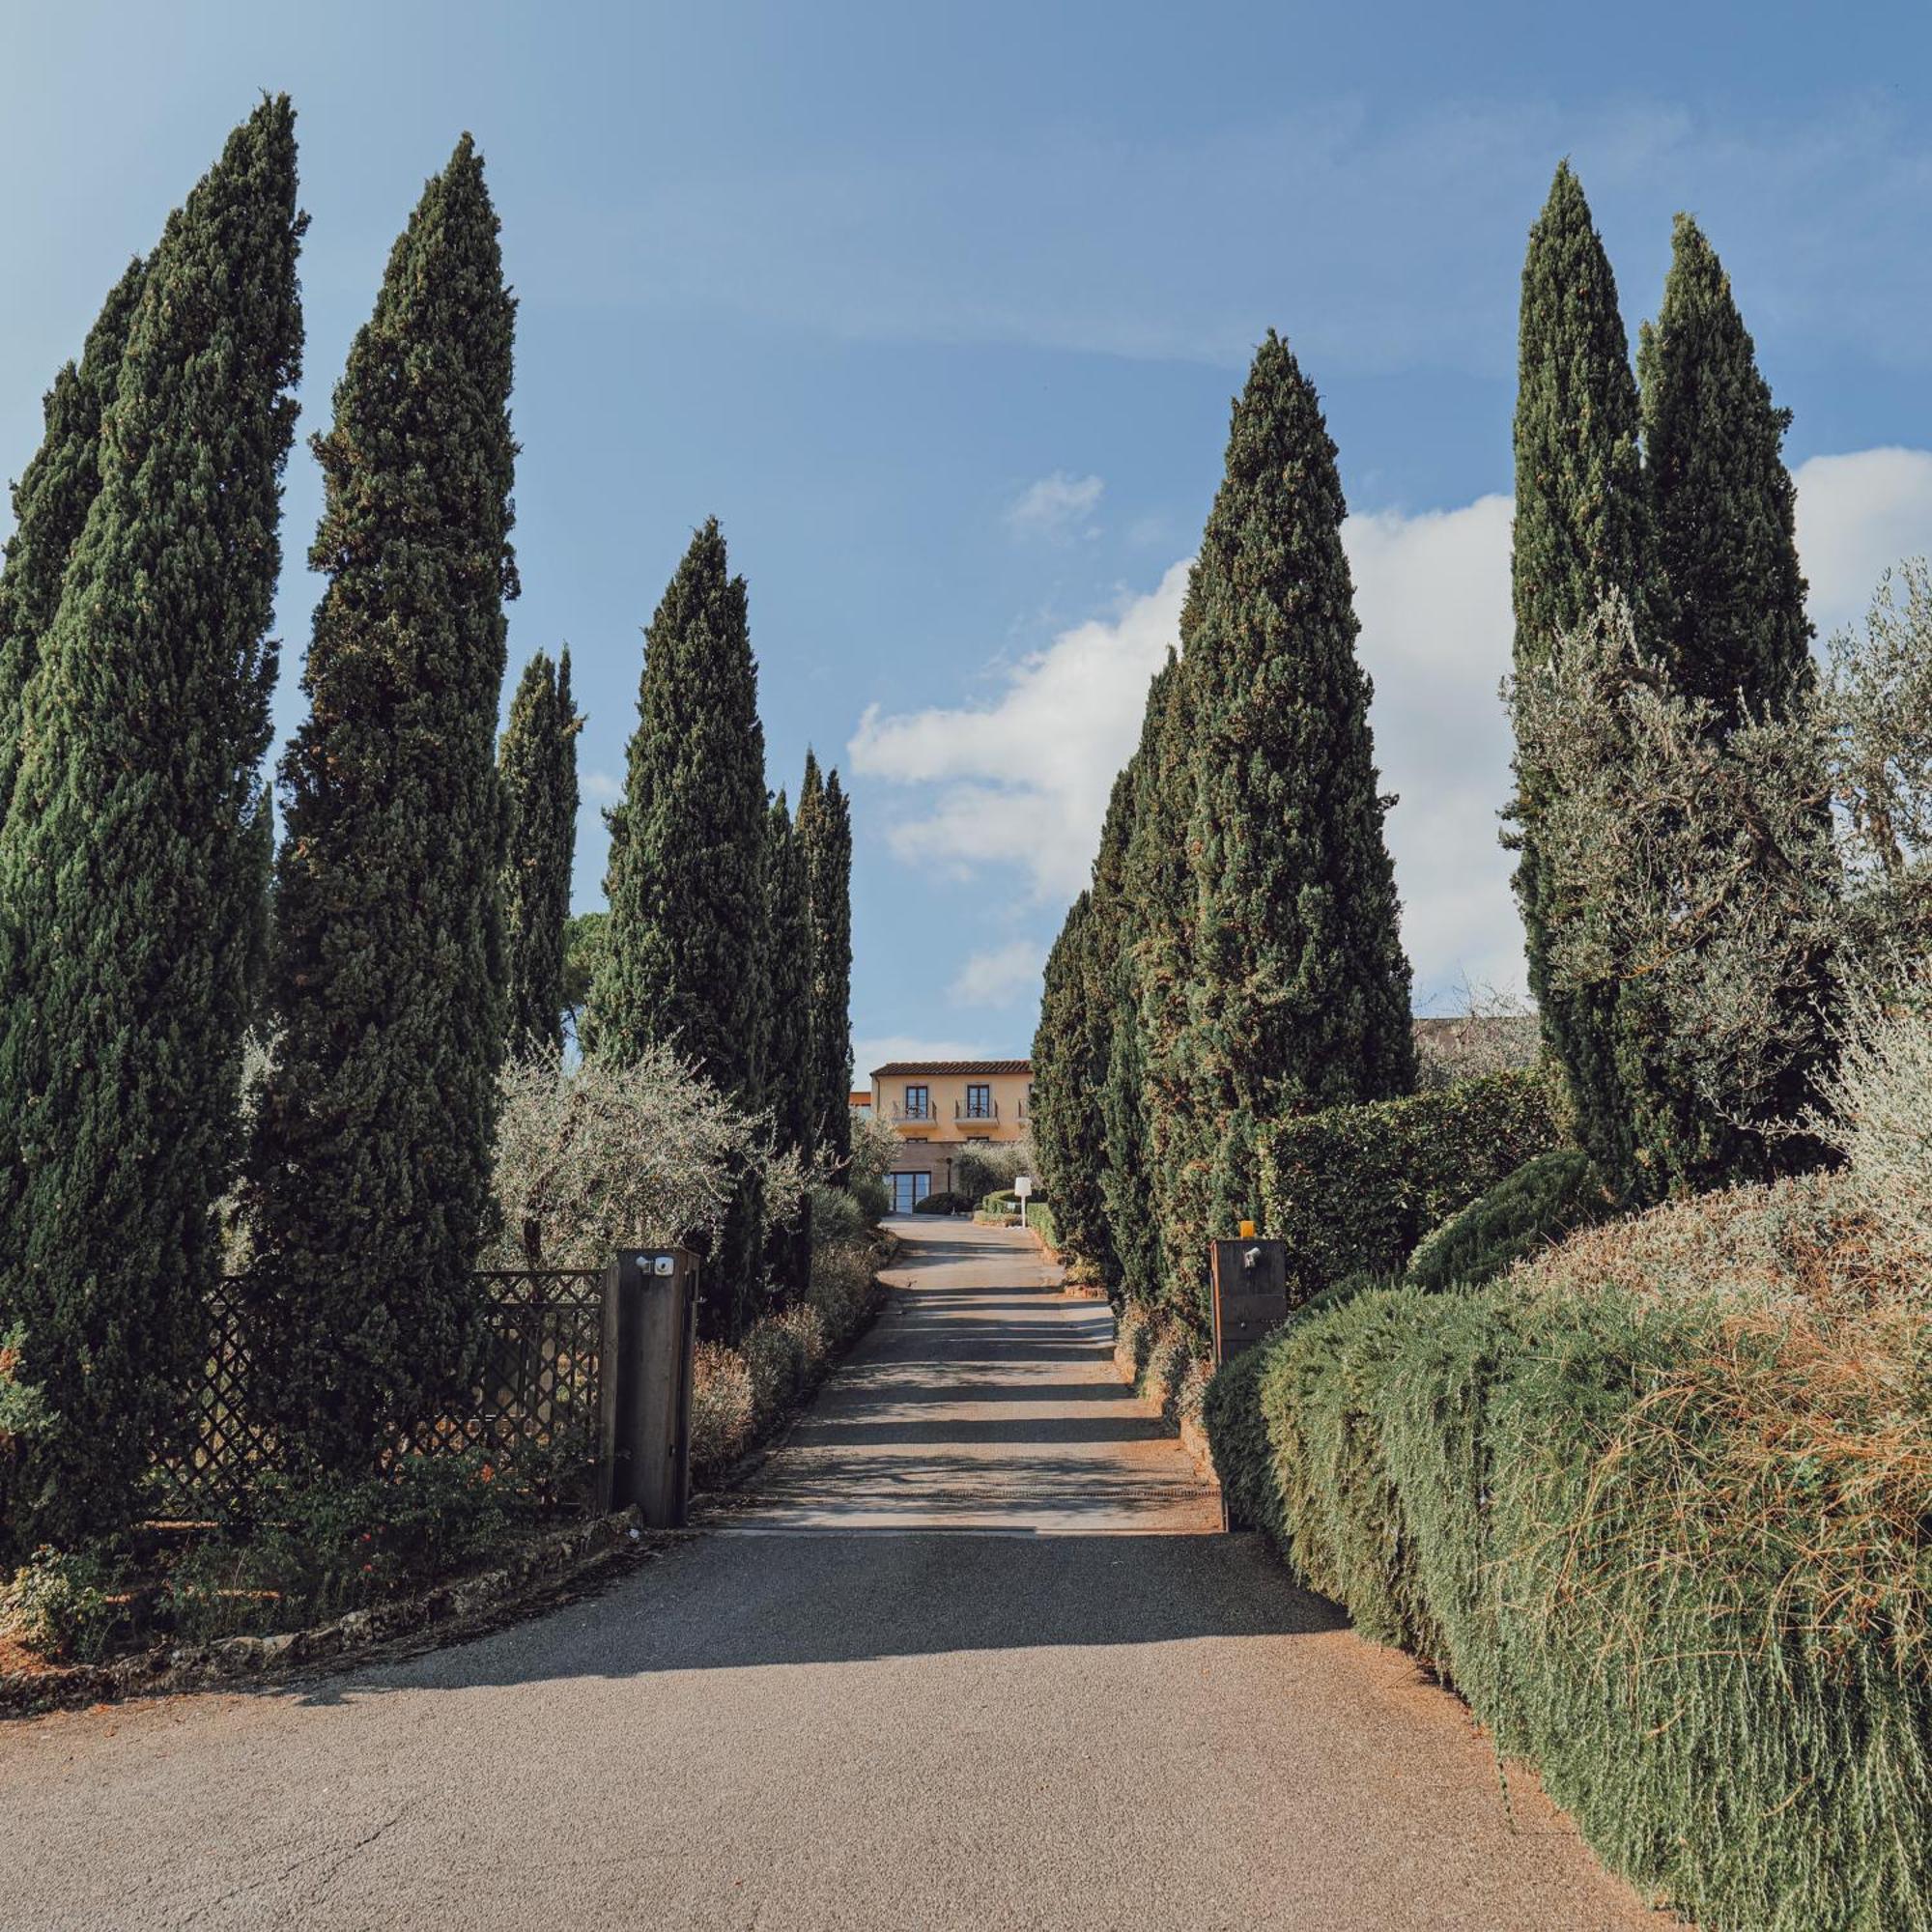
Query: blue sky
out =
(940, 311)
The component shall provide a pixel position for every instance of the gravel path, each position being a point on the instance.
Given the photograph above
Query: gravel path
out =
(970, 1655)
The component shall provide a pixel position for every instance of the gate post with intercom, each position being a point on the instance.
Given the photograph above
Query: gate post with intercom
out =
(650, 1334)
(1250, 1278)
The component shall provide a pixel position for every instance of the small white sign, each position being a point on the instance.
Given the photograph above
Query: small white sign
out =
(1023, 1185)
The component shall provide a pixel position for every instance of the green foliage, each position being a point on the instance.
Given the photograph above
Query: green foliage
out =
(1724, 504)
(379, 1110)
(537, 761)
(1544, 1200)
(791, 1066)
(942, 1202)
(584, 940)
(130, 861)
(51, 504)
(1668, 1544)
(71, 1607)
(1583, 525)
(686, 959)
(825, 832)
(1069, 1051)
(1299, 994)
(1351, 1190)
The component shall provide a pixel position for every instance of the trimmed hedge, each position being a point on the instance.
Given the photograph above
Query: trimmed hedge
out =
(1354, 1189)
(1674, 1552)
(1544, 1200)
(943, 1202)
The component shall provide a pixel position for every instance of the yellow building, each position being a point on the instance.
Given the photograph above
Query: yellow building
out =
(938, 1109)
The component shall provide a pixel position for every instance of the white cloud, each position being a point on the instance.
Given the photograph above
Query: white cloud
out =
(602, 785)
(1857, 516)
(1027, 776)
(1059, 508)
(1024, 782)
(998, 977)
(883, 1048)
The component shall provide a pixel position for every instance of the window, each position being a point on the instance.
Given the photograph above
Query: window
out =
(918, 1105)
(979, 1101)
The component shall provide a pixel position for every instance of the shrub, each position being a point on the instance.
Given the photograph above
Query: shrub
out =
(1539, 1204)
(1658, 1504)
(944, 1203)
(71, 1605)
(842, 1287)
(775, 1359)
(1354, 1188)
(874, 1201)
(1039, 1218)
(837, 1213)
(722, 1409)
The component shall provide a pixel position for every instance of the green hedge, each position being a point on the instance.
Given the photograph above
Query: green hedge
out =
(1543, 1201)
(1039, 1218)
(1356, 1188)
(1632, 1535)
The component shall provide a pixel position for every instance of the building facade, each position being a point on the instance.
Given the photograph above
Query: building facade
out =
(938, 1109)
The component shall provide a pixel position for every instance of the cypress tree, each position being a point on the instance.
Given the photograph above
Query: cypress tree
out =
(686, 956)
(50, 505)
(132, 847)
(791, 1068)
(1068, 1061)
(1724, 503)
(1298, 997)
(537, 761)
(1126, 1184)
(1583, 527)
(377, 1116)
(1727, 551)
(1160, 871)
(825, 830)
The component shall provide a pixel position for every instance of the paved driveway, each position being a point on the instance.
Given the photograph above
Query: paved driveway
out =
(971, 1656)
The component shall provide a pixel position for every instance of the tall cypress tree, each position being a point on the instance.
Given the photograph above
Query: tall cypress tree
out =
(537, 761)
(686, 957)
(1298, 997)
(1727, 551)
(1126, 1184)
(825, 831)
(791, 1066)
(377, 1116)
(1068, 1059)
(131, 847)
(51, 504)
(1161, 885)
(1724, 504)
(1583, 527)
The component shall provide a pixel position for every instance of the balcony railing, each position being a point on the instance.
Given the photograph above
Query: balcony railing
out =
(976, 1110)
(914, 1117)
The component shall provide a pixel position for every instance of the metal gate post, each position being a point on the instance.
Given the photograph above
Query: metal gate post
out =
(650, 1332)
(1250, 1296)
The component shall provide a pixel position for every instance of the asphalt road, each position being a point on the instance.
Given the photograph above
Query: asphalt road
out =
(972, 1655)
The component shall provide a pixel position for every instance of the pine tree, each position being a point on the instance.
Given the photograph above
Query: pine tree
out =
(377, 1116)
(686, 956)
(130, 850)
(825, 830)
(1298, 997)
(50, 505)
(1583, 527)
(537, 761)
(1724, 503)
(791, 1068)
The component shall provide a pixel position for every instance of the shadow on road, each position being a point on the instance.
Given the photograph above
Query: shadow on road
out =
(734, 1603)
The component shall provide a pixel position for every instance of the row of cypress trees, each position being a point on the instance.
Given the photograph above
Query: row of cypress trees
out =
(1666, 486)
(1237, 956)
(730, 924)
(409, 930)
